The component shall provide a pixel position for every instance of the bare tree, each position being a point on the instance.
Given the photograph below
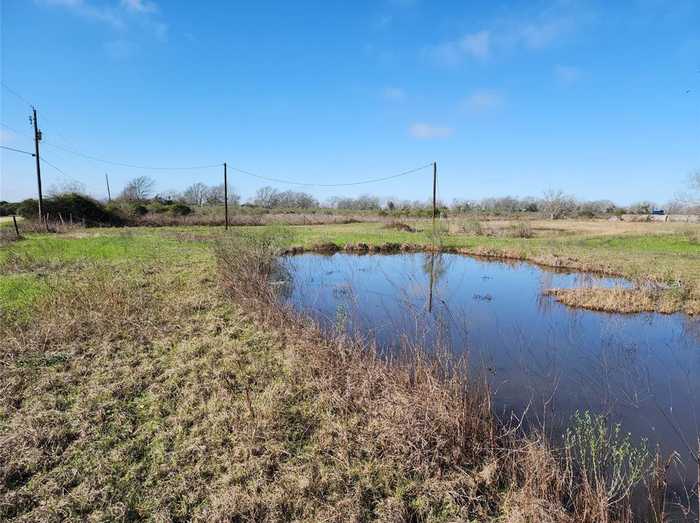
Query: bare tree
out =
(360, 203)
(195, 194)
(138, 189)
(215, 195)
(266, 197)
(644, 207)
(557, 204)
(694, 183)
(72, 186)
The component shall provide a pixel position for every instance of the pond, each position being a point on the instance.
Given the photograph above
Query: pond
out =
(538, 355)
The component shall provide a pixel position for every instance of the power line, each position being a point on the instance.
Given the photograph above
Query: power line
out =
(347, 184)
(102, 160)
(44, 160)
(130, 165)
(16, 150)
(15, 130)
(12, 91)
(208, 166)
(22, 98)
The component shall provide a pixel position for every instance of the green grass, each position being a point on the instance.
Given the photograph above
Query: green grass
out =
(120, 246)
(19, 293)
(142, 392)
(669, 257)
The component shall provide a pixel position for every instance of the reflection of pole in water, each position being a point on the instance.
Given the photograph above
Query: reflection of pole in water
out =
(432, 278)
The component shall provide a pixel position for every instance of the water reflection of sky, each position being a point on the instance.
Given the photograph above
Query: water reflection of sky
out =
(641, 369)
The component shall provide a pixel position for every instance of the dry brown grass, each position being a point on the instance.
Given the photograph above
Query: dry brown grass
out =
(144, 391)
(237, 219)
(399, 226)
(619, 299)
(421, 417)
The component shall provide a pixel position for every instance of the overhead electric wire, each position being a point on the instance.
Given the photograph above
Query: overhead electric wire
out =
(17, 150)
(307, 184)
(12, 91)
(44, 160)
(208, 166)
(15, 130)
(130, 165)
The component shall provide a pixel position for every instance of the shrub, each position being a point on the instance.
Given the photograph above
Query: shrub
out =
(606, 462)
(158, 207)
(8, 209)
(137, 209)
(71, 206)
(180, 209)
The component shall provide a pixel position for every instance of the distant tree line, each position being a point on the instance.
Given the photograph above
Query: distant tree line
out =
(139, 197)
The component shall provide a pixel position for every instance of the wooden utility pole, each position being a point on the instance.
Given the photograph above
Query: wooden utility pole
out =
(109, 194)
(434, 195)
(226, 196)
(14, 220)
(37, 139)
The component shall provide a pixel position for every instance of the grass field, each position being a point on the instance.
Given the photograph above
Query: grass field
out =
(666, 255)
(134, 387)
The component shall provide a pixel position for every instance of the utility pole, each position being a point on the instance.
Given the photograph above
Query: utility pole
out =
(37, 139)
(226, 196)
(109, 194)
(434, 196)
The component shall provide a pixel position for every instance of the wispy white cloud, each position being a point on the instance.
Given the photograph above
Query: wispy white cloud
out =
(85, 9)
(477, 45)
(139, 6)
(121, 15)
(542, 33)
(483, 100)
(394, 94)
(426, 131)
(533, 31)
(567, 74)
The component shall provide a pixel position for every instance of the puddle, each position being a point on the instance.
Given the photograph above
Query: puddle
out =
(640, 369)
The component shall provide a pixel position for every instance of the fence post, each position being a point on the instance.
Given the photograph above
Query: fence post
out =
(14, 220)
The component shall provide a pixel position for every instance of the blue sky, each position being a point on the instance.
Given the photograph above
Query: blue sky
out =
(599, 99)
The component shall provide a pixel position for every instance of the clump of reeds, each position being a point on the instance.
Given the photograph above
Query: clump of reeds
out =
(473, 227)
(519, 230)
(250, 264)
(421, 416)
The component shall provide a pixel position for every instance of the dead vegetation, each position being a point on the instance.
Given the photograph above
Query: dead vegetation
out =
(422, 418)
(399, 226)
(143, 391)
(254, 219)
(620, 299)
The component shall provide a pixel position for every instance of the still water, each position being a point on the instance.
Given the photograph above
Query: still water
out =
(540, 357)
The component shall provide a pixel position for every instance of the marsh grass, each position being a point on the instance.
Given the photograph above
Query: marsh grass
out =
(623, 300)
(418, 415)
(519, 230)
(161, 381)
